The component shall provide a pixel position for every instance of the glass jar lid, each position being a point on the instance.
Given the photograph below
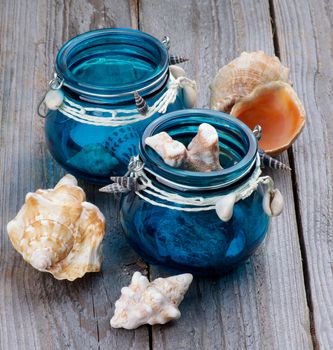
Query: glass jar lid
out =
(112, 63)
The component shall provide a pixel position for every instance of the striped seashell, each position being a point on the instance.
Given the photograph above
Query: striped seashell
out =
(141, 104)
(270, 162)
(177, 59)
(114, 188)
(129, 183)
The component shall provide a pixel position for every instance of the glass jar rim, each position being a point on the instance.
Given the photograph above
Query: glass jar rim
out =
(216, 179)
(144, 87)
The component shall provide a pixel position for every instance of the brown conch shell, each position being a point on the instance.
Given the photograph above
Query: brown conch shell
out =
(202, 154)
(277, 109)
(56, 231)
(238, 78)
(144, 302)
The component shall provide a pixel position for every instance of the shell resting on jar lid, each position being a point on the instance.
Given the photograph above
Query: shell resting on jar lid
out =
(56, 231)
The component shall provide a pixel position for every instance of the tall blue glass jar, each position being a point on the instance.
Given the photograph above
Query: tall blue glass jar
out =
(92, 125)
(197, 240)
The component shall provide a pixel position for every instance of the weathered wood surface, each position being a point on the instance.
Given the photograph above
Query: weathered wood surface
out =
(263, 305)
(306, 46)
(36, 311)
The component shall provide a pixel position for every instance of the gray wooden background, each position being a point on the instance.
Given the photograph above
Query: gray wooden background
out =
(282, 298)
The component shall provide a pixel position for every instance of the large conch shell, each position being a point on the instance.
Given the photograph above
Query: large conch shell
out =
(144, 302)
(255, 88)
(56, 231)
(202, 154)
(277, 109)
(242, 75)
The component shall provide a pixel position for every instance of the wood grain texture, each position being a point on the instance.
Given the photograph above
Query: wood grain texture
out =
(36, 311)
(306, 46)
(263, 304)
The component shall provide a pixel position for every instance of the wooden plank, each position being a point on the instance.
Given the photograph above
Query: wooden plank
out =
(36, 311)
(263, 304)
(305, 42)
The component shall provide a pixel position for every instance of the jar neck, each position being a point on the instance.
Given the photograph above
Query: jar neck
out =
(108, 65)
(238, 151)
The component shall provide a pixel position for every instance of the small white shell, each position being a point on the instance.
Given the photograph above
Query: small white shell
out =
(177, 71)
(144, 302)
(225, 206)
(273, 202)
(54, 99)
(190, 96)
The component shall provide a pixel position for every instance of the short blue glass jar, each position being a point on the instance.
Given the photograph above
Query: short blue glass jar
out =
(93, 126)
(172, 217)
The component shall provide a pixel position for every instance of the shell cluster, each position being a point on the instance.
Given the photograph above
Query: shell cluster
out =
(144, 302)
(56, 231)
(202, 154)
(255, 88)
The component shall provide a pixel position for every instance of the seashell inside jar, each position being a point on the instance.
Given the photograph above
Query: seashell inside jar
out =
(108, 85)
(209, 210)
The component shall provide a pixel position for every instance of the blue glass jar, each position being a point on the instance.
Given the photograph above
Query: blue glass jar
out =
(95, 129)
(192, 237)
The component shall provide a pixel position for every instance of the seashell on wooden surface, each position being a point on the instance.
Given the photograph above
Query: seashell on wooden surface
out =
(277, 109)
(202, 153)
(242, 75)
(56, 231)
(144, 302)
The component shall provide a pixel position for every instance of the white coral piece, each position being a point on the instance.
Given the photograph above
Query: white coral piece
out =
(202, 154)
(56, 231)
(144, 302)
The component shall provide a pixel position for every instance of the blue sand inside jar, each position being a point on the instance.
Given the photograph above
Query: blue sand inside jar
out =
(195, 241)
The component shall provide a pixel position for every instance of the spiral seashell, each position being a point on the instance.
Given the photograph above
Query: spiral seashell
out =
(126, 181)
(242, 75)
(56, 231)
(144, 302)
(114, 188)
(270, 162)
(141, 104)
(173, 59)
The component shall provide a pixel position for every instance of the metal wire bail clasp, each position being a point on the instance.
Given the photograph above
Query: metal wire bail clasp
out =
(135, 165)
(166, 42)
(55, 83)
